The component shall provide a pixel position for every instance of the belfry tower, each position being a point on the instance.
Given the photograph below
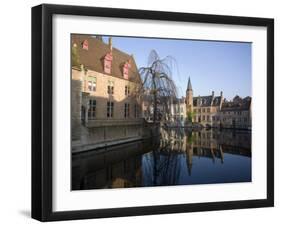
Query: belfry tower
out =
(189, 100)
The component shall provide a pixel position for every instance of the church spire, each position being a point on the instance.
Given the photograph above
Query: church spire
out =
(189, 87)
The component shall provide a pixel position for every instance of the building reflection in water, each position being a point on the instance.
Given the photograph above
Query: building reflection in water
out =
(178, 157)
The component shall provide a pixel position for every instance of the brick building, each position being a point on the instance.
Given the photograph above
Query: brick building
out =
(105, 85)
(237, 113)
(203, 109)
(215, 111)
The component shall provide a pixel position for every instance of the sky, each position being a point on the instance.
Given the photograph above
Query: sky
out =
(211, 65)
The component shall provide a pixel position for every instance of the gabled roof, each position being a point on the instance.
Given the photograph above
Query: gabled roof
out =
(202, 101)
(206, 101)
(238, 104)
(217, 101)
(92, 58)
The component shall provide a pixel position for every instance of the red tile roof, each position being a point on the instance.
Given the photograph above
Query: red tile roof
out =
(92, 58)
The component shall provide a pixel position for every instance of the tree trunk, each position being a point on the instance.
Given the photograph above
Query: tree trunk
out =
(154, 107)
(154, 100)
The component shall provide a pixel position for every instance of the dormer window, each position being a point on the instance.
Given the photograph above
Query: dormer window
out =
(126, 68)
(107, 63)
(85, 44)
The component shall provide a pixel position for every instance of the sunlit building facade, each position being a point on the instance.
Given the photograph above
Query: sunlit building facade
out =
(105, 91)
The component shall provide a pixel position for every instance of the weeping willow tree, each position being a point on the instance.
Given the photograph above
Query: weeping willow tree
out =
(158, 82)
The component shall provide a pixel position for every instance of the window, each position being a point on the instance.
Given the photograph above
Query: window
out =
(126, 110)
(126, 67)
(127, 90)
(181, 109)
(83, 113)
(92, 84)
(92, 109)
(208, 118)
(208, 110)
(136, 111)
(195, 110)
(203, 118)
(203, 109)
(110, 109)
(107, 63)
(85, 45)
(110, 87)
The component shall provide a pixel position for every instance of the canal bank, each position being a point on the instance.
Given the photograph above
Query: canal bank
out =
(98, 135)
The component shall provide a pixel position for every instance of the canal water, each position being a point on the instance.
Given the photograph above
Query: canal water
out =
(176, 157)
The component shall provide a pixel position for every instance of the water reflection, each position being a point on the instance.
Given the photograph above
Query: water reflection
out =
(178, 157)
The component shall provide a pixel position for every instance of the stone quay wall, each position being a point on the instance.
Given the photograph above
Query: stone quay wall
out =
(100, 134)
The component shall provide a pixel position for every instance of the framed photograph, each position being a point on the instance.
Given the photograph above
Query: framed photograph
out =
(146, 112)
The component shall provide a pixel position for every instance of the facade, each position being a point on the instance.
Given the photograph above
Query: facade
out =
(211, 110)
(178, 109)
(215, 111)
(237, 113)
(203, 109)
(105, 85)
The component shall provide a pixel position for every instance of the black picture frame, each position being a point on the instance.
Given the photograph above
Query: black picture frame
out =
(42, 107)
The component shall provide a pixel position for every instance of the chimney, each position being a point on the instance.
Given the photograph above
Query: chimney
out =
(110, 43)
(221, 93)
(213, 93)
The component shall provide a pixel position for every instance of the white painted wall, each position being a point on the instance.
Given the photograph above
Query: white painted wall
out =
(15, 111)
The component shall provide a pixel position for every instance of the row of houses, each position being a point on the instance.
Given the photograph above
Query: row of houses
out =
(216, 111)
(210, 110)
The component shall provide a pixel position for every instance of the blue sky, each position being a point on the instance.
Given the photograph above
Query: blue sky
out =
(212, 65)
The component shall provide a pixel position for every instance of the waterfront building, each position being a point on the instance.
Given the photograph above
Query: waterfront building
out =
(105, 91)
(215, 111)
(179, 110)
(203, 109)
(237, 113)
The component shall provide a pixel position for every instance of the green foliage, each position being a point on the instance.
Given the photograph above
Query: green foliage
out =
(190, 116)
(75, 62)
